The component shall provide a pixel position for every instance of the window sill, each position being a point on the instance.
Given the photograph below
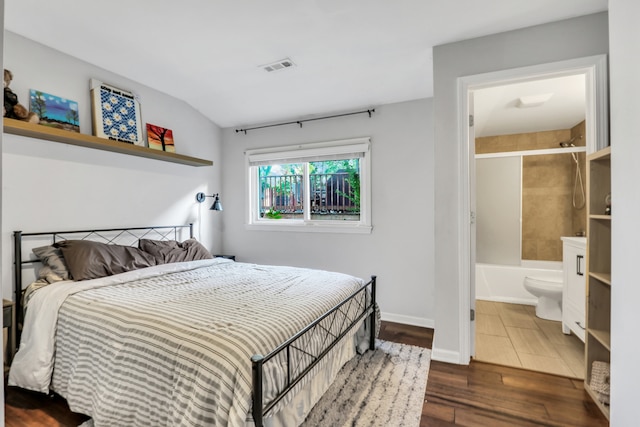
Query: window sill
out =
(313, 227)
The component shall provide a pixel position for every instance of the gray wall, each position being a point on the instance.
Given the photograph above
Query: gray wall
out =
(625, 176)
(557, 41)
(53, 186)
(400, 248)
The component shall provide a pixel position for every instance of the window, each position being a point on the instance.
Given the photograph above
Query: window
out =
(311, 187)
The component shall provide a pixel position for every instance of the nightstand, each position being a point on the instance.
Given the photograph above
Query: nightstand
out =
(9, 322)
(231, 257)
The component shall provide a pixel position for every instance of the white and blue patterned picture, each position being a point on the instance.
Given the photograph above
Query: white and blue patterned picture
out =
(116, 114)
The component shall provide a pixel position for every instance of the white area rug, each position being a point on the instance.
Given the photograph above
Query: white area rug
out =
(380, 388)
(384, 387)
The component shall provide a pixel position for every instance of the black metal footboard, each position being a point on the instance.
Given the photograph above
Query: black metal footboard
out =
(300, 357)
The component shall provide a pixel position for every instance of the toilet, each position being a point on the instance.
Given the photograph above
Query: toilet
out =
(549, 293)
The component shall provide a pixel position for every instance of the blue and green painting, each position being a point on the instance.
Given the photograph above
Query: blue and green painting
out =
(54, 111)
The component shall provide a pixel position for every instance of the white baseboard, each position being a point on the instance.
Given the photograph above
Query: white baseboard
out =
(407, 320)
(446, 356)
(440, 355)
(511, 300)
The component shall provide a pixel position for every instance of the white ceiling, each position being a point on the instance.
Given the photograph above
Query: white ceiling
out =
(349, 54)
(498, 110)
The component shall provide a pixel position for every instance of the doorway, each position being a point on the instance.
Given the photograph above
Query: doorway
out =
(524, 205)
(594, 71)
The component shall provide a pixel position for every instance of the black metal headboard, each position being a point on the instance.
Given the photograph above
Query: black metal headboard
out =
(123, 236)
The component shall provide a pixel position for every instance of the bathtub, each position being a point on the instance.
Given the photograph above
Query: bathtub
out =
(504, 283)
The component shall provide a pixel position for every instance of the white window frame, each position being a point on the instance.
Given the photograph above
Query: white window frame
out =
(309, 153)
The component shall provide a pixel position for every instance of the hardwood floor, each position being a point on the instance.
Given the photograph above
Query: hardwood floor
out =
(484, 394)
(24, 408)
(477, 395)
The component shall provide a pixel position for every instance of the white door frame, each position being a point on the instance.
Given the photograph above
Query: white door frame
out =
(471, 171)
(594, 69)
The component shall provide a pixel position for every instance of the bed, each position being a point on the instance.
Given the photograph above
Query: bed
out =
(168, 335)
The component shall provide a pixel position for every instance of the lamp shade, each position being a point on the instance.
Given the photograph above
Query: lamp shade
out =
(217, 206)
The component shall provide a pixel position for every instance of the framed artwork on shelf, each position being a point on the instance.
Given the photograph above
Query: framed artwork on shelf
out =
(55, 112)
(116, 114)
(160, 138)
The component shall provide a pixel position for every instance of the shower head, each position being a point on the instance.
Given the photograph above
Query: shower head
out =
(569, 143)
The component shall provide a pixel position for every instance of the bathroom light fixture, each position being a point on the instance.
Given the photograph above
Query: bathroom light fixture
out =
(533, 100)
(217, 206)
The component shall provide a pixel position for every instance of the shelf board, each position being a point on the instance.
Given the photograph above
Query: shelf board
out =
(604, 408)
(604, 217)
(603, 277)
(17, 127)
(604, 154)
(603, 337)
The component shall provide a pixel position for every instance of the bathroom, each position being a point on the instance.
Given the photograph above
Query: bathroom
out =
(530, 193)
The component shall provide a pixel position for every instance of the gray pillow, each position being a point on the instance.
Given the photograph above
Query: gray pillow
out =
(48, 274)
(52, 257)
(91, 260)
(167, 251)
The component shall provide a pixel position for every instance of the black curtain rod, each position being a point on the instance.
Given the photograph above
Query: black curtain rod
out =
(299, 122)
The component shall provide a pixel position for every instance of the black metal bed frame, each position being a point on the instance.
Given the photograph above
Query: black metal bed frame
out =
(162, 232)
(299, 360)
(364, 300)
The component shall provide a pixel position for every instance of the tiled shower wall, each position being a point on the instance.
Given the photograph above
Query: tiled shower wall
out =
(580, 215)
(547, 189)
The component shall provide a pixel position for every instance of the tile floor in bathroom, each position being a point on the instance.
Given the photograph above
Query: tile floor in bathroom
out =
(512, 335)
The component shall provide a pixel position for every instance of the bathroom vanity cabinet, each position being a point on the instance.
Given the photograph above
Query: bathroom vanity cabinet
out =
(598, 334)
(574, 251)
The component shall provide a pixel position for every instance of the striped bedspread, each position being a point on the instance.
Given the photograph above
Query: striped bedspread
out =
(173, 349)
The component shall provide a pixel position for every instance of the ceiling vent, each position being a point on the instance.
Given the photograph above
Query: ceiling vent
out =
(278, 65)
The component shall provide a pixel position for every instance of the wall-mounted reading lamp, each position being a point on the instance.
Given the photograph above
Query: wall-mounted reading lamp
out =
(217, 206)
